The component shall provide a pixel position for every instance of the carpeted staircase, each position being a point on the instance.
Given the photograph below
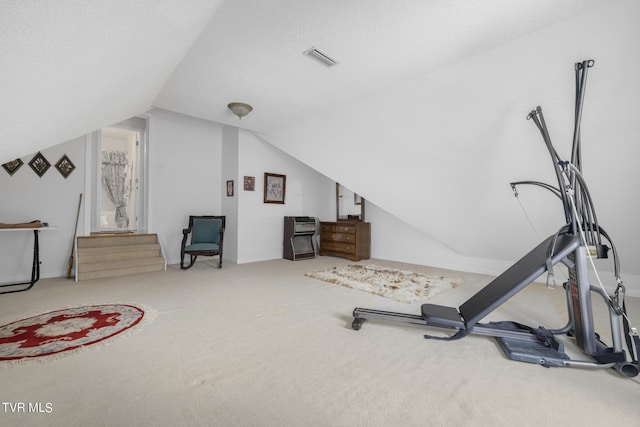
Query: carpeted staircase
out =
(109, 255)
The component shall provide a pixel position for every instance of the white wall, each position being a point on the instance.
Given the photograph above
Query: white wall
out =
(254, 230)
(229, 167)
(261, 225)
(395, 240)
(184, 175)
(190, 161)
(438, 152)
(25, 197)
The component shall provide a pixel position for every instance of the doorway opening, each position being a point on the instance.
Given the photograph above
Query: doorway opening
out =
(120, 184)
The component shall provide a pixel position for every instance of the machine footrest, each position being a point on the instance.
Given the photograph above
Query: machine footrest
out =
(537, 352)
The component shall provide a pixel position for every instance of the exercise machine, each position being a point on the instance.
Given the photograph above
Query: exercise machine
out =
(574, 245)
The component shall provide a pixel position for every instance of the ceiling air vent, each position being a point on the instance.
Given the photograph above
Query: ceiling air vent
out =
(321, 57)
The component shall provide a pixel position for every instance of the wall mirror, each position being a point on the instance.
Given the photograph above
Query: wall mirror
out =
(349, 205)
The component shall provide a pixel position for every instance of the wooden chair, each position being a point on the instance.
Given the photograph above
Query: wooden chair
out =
(207, 234)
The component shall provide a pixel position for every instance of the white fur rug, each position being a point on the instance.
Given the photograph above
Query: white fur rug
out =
(399, 285)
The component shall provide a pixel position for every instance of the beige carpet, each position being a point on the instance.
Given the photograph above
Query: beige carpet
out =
(262, 345)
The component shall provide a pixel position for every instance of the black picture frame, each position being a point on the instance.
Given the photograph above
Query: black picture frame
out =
(39, 164)
(13, 166)
(65, 166)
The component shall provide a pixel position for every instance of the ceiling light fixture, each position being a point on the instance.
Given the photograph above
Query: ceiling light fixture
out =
(240, 109)
(321, 57)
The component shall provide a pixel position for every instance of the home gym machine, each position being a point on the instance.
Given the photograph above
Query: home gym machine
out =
(575, 245)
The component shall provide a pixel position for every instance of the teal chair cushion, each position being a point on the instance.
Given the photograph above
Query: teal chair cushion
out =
(206, 231)
(202, 247)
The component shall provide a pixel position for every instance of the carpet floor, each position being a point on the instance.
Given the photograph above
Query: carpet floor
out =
(260, 344)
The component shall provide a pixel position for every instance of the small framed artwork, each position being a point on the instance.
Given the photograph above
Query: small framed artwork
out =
(357, 199)
(39, 164)
(229, 188)
(249, 183)
(274, 188)
(12, 166)
(65, 166)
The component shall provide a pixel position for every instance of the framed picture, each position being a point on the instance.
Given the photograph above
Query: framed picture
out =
(357, 199)
(39, 164)
(65, 166)
(274, 188)
(230, 188)
(249, 183)
(12, 166)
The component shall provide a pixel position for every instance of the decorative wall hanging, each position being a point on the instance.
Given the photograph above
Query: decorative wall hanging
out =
(230, 188)
(274, 188)
(12, 166)
(65, 166)
(249, 183)
(39, 164)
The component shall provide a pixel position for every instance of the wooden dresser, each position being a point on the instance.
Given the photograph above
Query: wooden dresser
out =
(349, 239)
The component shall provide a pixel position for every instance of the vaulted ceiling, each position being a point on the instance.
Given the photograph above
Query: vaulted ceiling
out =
(69, 68)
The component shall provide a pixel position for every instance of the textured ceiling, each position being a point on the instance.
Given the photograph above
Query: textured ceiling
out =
(70, 67)
(251, 51)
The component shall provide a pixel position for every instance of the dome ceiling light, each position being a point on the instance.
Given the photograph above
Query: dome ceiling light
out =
(240, 109)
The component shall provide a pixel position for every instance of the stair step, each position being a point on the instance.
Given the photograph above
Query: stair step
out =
(120, 272)
(116, 240)
(116, 253)
(120, 264)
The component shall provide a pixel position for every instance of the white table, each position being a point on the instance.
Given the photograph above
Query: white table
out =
(35, 268)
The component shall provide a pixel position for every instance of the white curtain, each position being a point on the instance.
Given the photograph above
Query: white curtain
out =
(114, 181)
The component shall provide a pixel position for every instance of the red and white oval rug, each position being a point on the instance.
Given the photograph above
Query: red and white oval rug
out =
(61, 331)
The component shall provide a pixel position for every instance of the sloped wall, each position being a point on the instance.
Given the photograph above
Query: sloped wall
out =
(261, 225)
(88, 66)
(50, 198)
(438, 151)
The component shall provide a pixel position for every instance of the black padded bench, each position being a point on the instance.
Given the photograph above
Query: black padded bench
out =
(503, 287)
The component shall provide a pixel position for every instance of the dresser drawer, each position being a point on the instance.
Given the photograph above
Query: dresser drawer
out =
(346, 248)
(337, 228)
(338, 237)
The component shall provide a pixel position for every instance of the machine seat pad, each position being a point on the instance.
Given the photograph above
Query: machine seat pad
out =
(442, 316)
